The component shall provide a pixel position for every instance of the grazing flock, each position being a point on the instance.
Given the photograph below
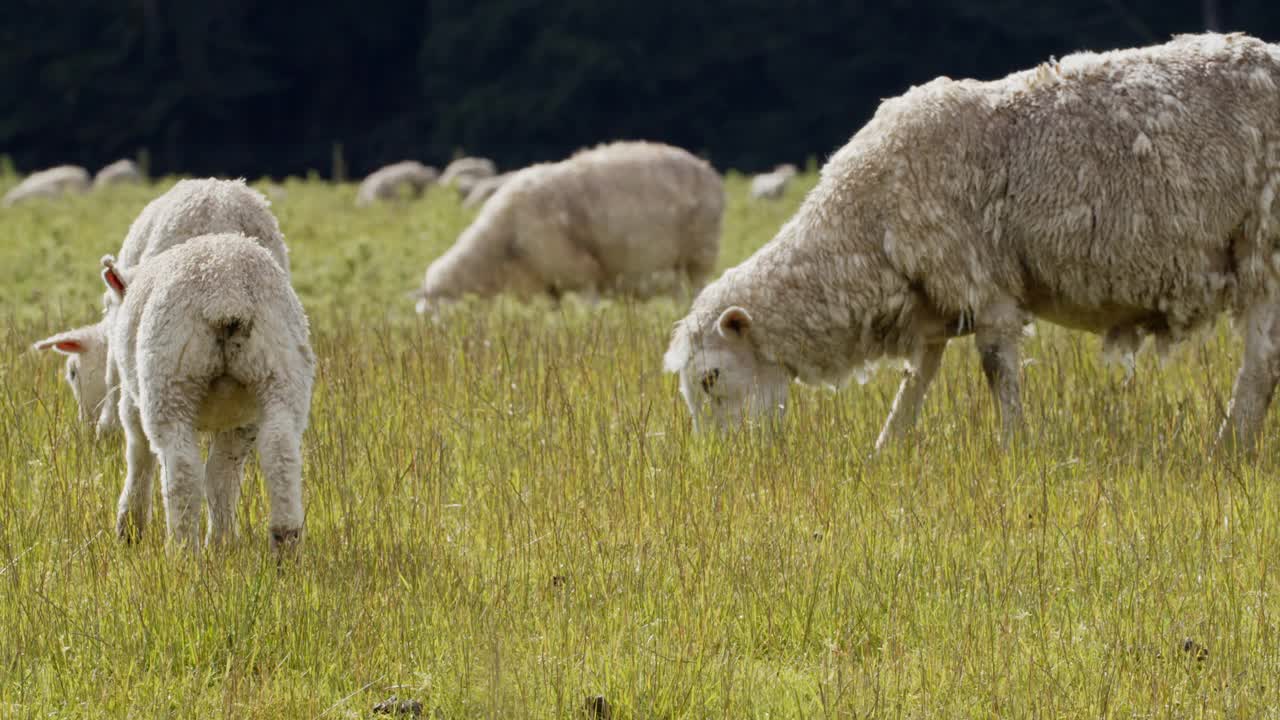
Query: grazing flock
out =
(1130, 193)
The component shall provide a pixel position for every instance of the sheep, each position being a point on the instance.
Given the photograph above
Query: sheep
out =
(1128, 193)
(632, 217)
(464, 173)
(51, 183)
(118, 173)
(484, 189)
(771, 185)
(190, 208)
(395, 181)
(209, 336)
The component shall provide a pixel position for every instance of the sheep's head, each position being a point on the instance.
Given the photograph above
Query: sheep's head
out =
(437, 290)
(86, 351)
(723, 377)
(484, 262)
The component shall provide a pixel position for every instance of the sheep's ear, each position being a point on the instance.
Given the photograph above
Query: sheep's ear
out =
(734, 322)
(71, 342)
(113, 277)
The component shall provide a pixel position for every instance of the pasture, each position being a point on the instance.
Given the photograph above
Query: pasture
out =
(508, 514)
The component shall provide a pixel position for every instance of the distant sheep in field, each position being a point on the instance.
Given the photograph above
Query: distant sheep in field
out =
(120, 172)
(631, 217)
(485, 189)
(396, 182)
(464, 173)
(52, 183)
(1128, 193)
(209, 336)
(189, 209)
(771, 185)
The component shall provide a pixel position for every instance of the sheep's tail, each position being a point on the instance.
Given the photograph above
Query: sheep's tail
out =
(229, 328)
(230, 316)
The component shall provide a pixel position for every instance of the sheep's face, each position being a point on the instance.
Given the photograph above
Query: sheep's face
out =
(724, 380)
(86, 372)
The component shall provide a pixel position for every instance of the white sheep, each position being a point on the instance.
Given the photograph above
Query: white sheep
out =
(1128, 193)
(484, 189)
(395, 182)
(632, 217)
(120, 172)
(464, 173)
(209, 336)
(51, 183)
(189, 209)
(771, 185)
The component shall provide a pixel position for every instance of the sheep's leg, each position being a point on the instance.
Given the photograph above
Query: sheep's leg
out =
(997, 334)
(280, 453)
(134, 509)
(182, 479)
(554, 261)
(223, 472)
(915, 382)
(1255, 383)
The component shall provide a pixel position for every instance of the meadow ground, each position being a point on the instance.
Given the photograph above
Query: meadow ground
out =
(508, 514)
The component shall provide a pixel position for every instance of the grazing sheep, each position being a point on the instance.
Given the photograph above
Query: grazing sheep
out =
(394, 182)
(465, 173)
(51, 183)
(1128, 193)
(633, 217)
(485, 189)
(190, 208)
(771, 185)
(119, 172)
(209, 336)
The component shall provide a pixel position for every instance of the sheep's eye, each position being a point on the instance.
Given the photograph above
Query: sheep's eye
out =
(709, 380)
(72, 374)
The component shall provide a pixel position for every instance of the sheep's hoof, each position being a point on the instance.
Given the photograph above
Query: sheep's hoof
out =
(127, 530)
(283, 540)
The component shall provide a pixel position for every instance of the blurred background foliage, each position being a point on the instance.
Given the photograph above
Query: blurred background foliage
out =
(251, 87)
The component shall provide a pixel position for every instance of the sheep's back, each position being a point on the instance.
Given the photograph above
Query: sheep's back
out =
(1103, 189)
(203, 207)
(635, 207)
(50, 183)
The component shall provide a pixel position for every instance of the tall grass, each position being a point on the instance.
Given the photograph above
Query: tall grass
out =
(508, 514)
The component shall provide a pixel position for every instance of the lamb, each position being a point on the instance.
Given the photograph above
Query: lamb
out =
(464, 173)
(633, 217)
(209, 336)
(1130, 193)
(52, 183)
(771, 185)
(120, 172)
(484, 189)
(394, 182)
(189, 209)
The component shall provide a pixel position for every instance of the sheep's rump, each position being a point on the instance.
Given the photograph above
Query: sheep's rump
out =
(637, 208)
(214, 309)
(1130, 191)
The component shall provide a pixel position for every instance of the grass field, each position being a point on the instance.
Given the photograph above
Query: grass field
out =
(508, 514)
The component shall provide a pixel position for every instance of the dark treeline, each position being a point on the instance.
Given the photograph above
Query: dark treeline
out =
(255, 87)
